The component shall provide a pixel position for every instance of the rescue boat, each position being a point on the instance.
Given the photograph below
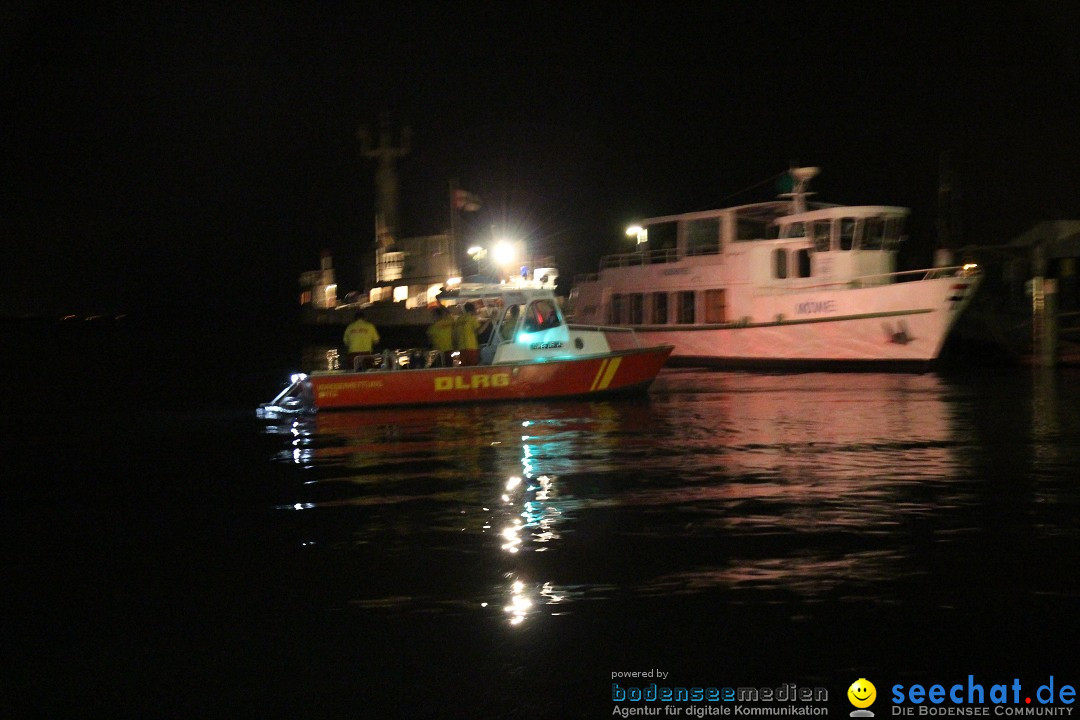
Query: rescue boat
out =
(528, 351)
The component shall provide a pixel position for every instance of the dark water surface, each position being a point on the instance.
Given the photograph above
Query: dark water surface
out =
(168, 555)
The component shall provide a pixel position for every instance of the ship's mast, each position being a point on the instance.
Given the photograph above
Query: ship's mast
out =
(801, 177)
(948, 221)
(386, 181)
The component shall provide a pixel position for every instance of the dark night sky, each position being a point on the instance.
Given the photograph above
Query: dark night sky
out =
(202, 153)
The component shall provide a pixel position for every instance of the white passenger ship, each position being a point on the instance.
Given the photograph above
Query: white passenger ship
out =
(779, 283)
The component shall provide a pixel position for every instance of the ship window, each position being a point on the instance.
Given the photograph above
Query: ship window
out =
(847, 233)
(715, 306)
(509, 322)
(541, 316)
(659, 310)
(873, 233)
(685, 307)
(821, 232)
(894, 227)
(750, 229)
(793, 230)
(780, 263)
(637, 309)
(703, 236)
(662, 236)
(802, 260)
(615, 309)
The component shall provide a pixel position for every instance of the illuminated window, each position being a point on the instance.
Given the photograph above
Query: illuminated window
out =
(715, 306)
(401, 293)
(380, 293)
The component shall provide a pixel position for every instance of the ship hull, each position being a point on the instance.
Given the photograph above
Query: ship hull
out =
(593, 376)
(903, 325)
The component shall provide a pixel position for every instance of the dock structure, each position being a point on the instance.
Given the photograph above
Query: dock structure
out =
(1029, 307)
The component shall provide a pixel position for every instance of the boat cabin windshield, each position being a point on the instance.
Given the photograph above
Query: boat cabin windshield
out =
(874, 232)
(541, 315)
(508, 322)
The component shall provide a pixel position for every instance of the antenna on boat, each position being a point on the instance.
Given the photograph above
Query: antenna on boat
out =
(802, 177)
(948, 221)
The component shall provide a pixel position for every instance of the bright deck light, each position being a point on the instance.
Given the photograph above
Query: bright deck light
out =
(505, 252)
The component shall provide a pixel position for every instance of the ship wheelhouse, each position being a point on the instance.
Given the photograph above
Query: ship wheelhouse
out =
(709, 267)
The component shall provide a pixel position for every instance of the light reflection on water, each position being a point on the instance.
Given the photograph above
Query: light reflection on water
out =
(750, 488)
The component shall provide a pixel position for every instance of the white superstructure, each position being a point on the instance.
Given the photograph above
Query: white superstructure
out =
(777, 283)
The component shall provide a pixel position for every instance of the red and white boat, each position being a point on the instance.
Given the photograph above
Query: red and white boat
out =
(530, 353)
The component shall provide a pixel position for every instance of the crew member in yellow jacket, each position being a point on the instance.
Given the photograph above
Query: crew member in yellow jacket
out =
(466, 329)
(441, 333)
(360, 339)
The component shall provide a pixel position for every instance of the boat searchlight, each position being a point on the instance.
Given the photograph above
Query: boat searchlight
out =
(639, 233)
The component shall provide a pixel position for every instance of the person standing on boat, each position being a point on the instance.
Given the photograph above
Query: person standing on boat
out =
(466, 329)
(360, 338)
(441, 333)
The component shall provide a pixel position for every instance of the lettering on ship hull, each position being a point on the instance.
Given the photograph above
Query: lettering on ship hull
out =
(329, 391)
(812, 307)
(471, 382)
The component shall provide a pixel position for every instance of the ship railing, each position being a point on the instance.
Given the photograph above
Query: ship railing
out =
(397, 359)
(866, 281)
(619, 338)
(651, 257)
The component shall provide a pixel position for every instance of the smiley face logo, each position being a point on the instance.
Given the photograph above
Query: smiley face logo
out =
(862, 693)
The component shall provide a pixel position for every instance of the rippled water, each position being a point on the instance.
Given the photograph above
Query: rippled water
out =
(755, 526)
(505, 560)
